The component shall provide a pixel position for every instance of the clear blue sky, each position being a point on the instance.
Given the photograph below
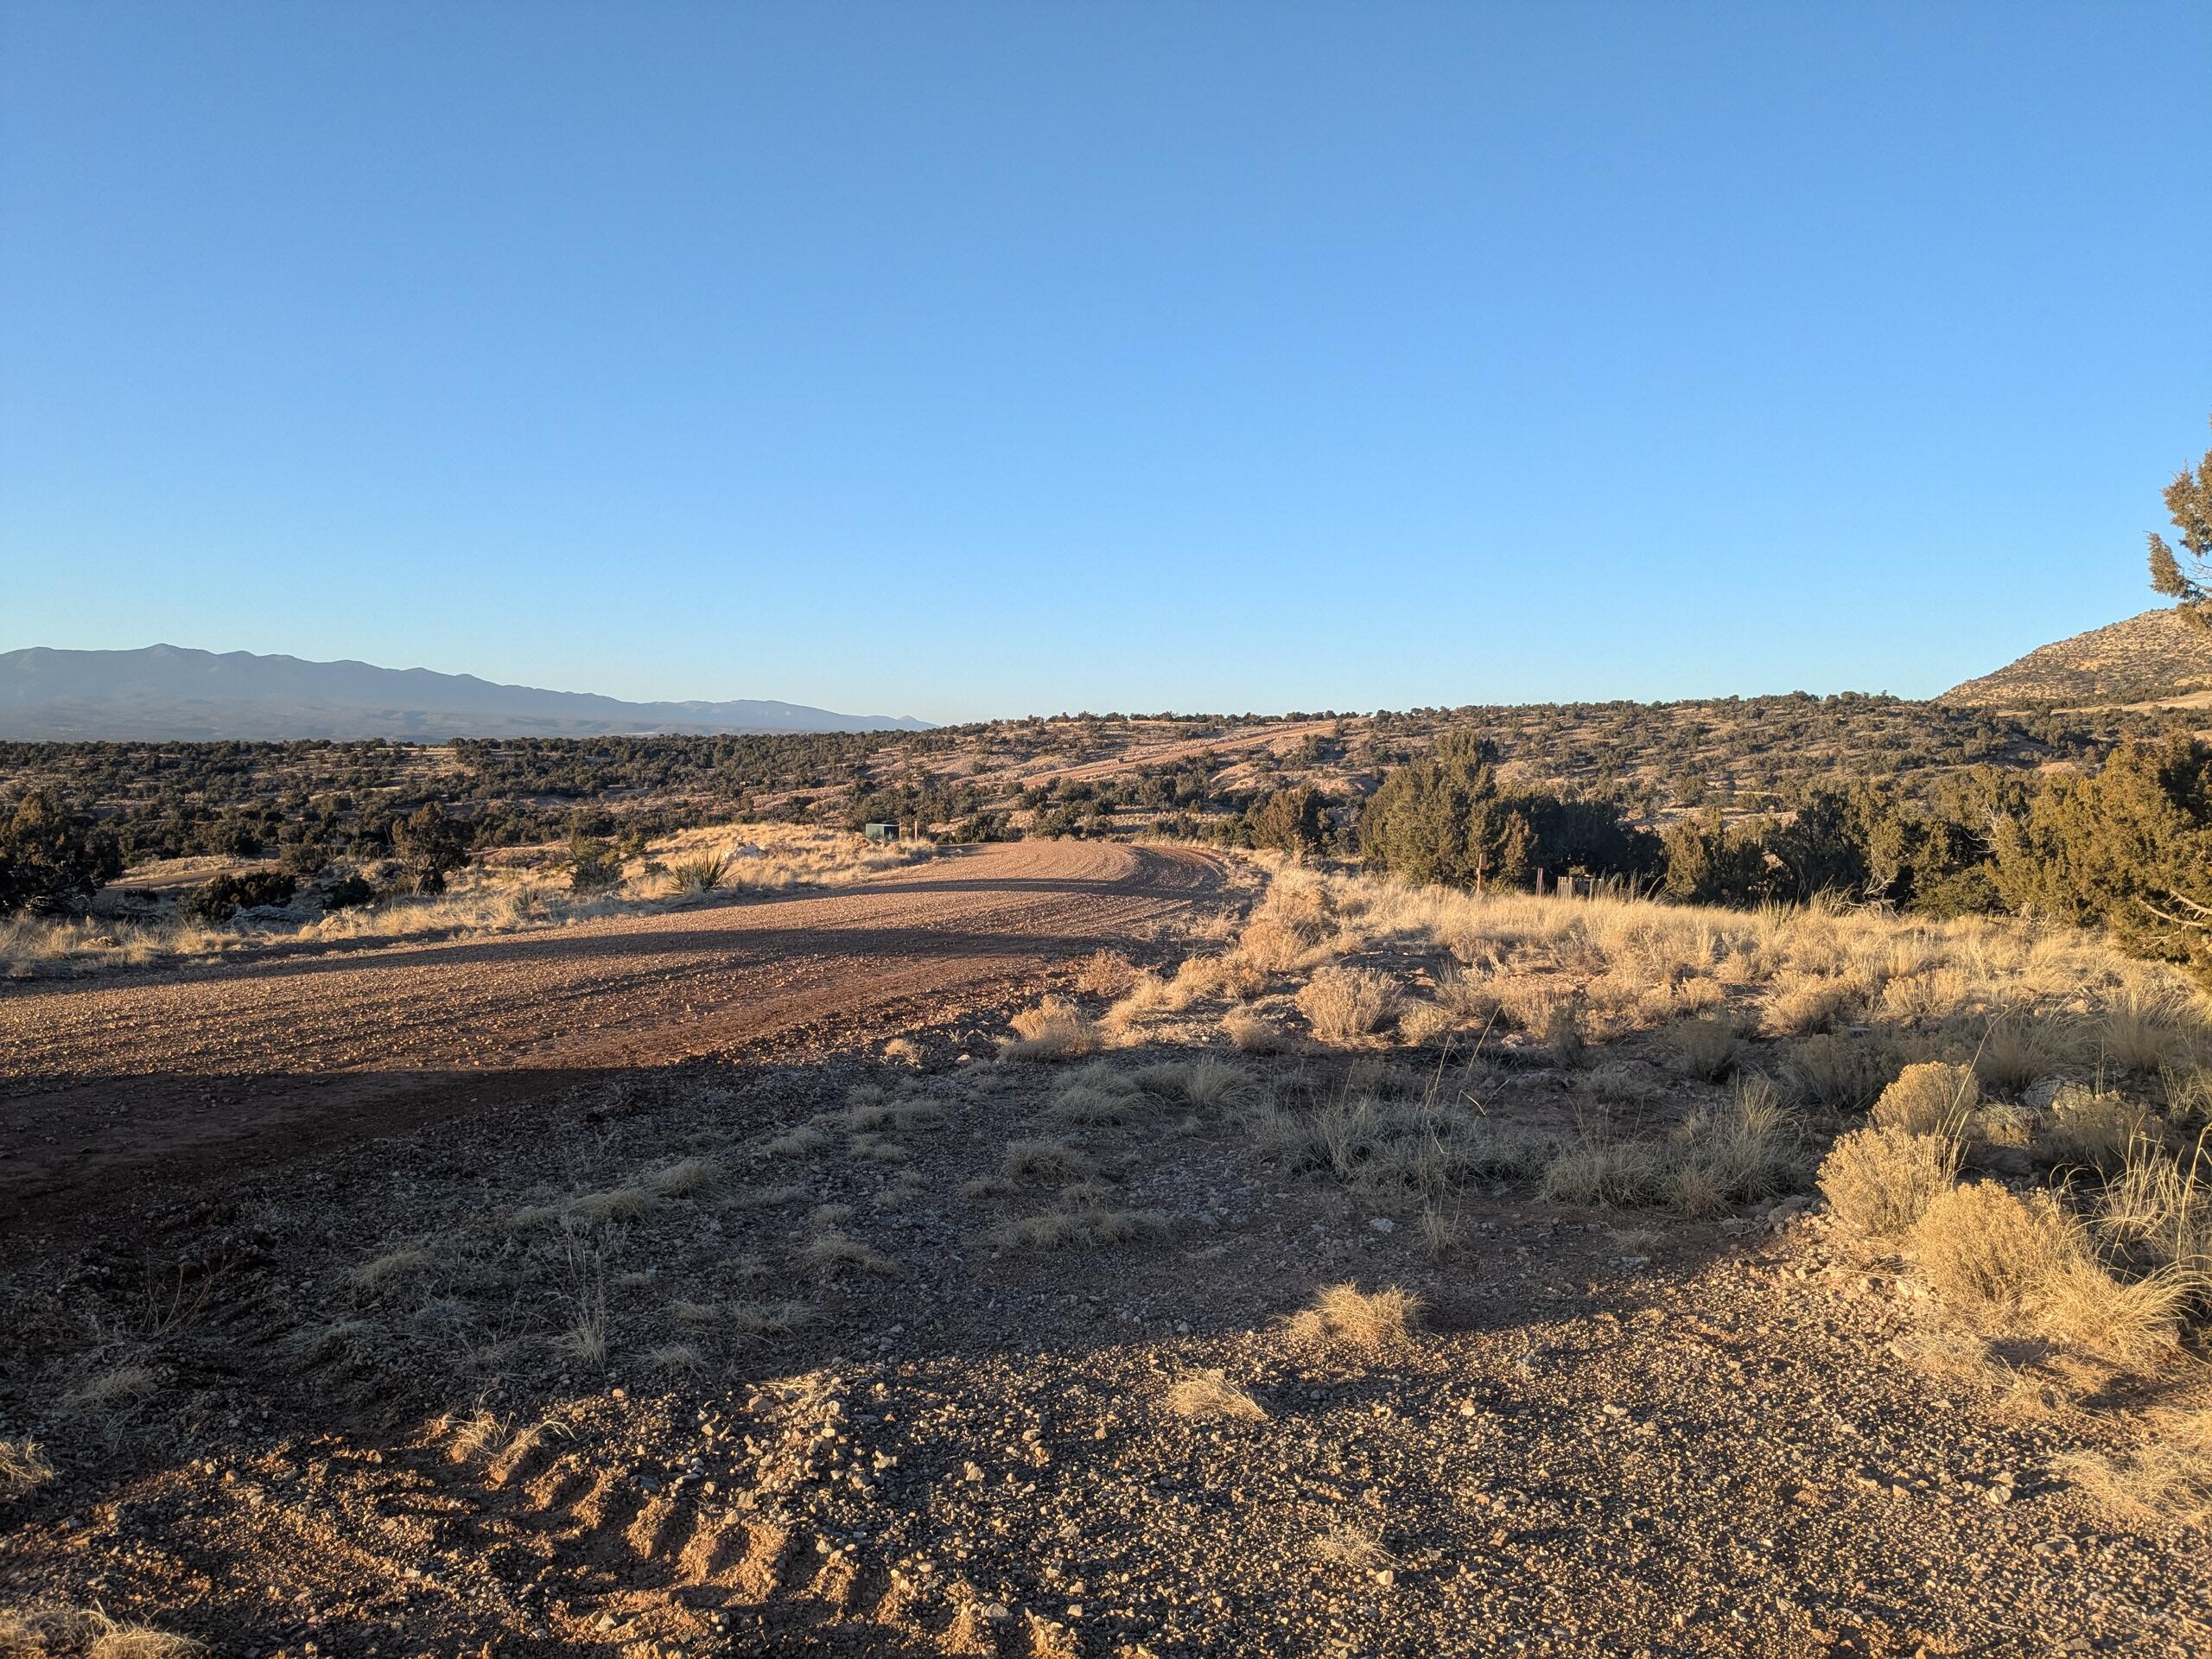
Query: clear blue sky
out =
(962, 360)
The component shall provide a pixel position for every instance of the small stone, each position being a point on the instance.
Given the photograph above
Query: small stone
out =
(1383, 1224)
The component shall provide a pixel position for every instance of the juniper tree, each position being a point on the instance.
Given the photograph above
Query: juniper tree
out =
(2187, 575)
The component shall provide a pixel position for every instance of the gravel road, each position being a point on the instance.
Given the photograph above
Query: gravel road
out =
(107, 1084)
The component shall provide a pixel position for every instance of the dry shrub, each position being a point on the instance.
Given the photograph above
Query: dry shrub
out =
(1705, 1048)
(1880, 1182)
(1930, 1098)
(1054, 1029)
(1469, 996)
(2166, 1478)
(75, 1634)
(1343, 1005)
(1804, 1004)
(24, 1468)
(1253, 1033)
(1371, 1324)
(1981, 1246)
(2000, 1254)
(2091, 1129)
(902, 1051)
(1565, 1041)
(1209, 1396)
(1105, 973)
(1424, 1023)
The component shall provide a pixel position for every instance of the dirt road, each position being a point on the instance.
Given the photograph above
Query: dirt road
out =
(106, 1083)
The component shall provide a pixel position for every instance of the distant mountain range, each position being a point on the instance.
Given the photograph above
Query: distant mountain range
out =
(2152, 658)
(170, 693)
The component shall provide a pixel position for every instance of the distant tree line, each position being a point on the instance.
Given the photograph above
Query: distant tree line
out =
(2128, 847)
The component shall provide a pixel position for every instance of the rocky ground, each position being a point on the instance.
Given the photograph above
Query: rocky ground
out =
(939, 1353)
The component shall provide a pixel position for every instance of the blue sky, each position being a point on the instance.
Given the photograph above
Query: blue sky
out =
(964, 359)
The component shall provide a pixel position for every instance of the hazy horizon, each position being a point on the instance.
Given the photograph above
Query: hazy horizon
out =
(986, 360)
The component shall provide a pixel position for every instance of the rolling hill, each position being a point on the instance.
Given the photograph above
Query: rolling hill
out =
(165, 693)
(2152, 658)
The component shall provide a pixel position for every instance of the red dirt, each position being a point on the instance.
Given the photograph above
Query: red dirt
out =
(109, 1084)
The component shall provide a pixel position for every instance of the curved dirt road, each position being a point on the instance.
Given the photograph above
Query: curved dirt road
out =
(109, 1085)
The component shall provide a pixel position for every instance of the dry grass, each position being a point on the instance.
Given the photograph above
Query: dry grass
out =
(76, 1634)
(2016, 1051)
(1047, 1160)
(1098, 1094)
(2159, 1208)
(1930, 1098)
(1372, 1325)
(801, 1142)
(1253, 1033)
(1209, 1396)
(1105, 973)
(1603, 1171)
(24, 1468)
(1085, 1223)
(1838, 1072)
(2148, 1031)
(1880, 1182)
(484, 900)
(2091, 1129)
(1749, 1149)
(2166, 1478)
(111, 1390)
(1354, 1545)
(1705, 1048)
(382, 1273)
(2002, 1256)
(835, 1251)
(1054, 1029)
(1343, 1005)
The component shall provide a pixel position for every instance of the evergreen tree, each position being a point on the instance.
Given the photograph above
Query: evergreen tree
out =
(2189, 500)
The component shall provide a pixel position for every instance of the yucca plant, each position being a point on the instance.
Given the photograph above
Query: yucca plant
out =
(701, 874)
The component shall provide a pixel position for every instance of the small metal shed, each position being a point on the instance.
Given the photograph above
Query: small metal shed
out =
(880, 831)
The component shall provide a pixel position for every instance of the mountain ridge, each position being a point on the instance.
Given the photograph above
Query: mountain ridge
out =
(2152, 657)
(179, 693)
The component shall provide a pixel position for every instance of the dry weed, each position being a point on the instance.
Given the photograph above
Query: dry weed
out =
(2167, 1479)
(1929, 1098)
(1054, 1029)
(1209, 1396)
(24, 1468)
(1880, 1182)
(1085, 1221)
(1343, 1005)
(1370, 1324)
(77, 1634)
